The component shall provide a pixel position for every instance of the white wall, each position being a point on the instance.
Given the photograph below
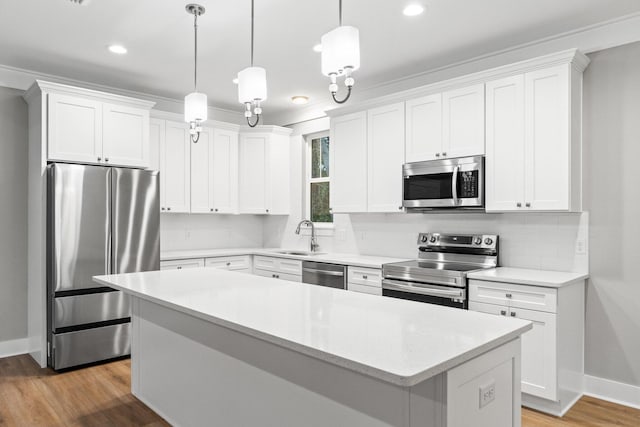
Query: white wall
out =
(13, 215)
(612, 184)
(201, 231)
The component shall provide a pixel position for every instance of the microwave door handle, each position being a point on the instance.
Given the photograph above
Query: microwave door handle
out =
(454, 185)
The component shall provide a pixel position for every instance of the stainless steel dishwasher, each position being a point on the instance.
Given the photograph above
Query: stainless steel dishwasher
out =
(323, 274)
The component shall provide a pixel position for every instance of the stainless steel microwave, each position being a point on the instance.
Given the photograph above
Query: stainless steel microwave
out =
(444, 184)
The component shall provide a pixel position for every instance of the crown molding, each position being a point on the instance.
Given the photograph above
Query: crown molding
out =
(179, 117)
(22, 79)
(277, 130)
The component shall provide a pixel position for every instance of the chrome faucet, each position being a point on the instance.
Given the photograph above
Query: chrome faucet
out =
(314, 244)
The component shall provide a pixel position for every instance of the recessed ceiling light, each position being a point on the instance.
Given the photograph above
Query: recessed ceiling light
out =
(413, 9)
(299, 99)
(317, 48)
(119, 49)
(235, 81)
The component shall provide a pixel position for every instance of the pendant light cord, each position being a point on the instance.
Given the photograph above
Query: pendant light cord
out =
(195, 56)
(340, 12)
(252, 32)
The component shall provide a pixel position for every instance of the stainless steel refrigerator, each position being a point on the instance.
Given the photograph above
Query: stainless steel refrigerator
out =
(100, 220)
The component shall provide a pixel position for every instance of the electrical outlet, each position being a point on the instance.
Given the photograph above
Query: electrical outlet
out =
(487, 394)
(581, 247)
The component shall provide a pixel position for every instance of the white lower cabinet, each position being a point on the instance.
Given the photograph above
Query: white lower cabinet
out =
(364, 280)
(278, 268)
(180, 264)
(233, 263)
(553, 351)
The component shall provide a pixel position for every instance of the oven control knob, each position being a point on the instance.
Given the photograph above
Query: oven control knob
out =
(432, 239)
(477, 240)
(488, 241)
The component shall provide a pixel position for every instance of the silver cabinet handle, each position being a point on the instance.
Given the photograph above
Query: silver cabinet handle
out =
(528, 204)
(179, 267)
(503, 312)
(267, 210)
(168, 209)
(216, 209)
(106, 159)
(365, 277)
(513, 314)
(99, 158)
(508, 295)
(437, 154)
(228, 263)
(161, 209)
(330, 209)
(399, 208)
(519, 204)
(444, 154)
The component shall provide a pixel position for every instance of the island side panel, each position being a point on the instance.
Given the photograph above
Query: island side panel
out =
(193, 372)
(485, 391)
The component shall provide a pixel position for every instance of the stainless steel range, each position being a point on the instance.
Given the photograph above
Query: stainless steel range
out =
(439, 275)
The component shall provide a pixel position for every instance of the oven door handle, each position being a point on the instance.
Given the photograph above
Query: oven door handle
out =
(403, 287)
(454, 185)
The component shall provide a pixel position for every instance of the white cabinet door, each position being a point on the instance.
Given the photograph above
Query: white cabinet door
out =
(423, 128)
(278, 166)
(505, 144)
(539, 364)
(547, 138)
(74, 129)
(175, 175)
(385, 157)
(348, 192)
(224, 161)
(463, 122)
(125, 137)
(181, 264)
(201, 173)
(156, 140)
(253, 174)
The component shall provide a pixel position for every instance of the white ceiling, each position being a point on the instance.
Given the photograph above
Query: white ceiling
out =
(62, 38)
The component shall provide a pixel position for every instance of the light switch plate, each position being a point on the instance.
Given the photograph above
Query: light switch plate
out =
(487, 394)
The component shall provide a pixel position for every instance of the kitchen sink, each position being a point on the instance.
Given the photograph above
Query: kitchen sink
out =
(294, 252)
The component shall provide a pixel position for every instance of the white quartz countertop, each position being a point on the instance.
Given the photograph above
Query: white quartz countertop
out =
(355, 260)
(549, 279)
(398, 341)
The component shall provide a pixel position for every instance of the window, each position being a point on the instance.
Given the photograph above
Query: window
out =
(318, 178)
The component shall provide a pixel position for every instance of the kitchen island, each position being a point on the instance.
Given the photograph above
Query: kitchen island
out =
(213, 347)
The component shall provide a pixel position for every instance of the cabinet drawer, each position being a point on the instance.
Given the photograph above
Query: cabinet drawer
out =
(179, 264)
(278, 265)
(281, 276)
(499, 310)
(356, 287)
(242, 262)
(512, 295)
(365, 276)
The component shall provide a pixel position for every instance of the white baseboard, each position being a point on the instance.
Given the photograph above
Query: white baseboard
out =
(14, 347)
(612, 391)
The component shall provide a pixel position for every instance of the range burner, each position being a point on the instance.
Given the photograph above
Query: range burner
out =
(439, 275)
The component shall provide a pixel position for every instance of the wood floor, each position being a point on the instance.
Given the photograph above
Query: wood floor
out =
(100, 396)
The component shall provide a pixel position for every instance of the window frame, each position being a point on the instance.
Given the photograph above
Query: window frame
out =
(308, 180)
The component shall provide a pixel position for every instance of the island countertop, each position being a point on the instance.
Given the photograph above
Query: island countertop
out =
(398, 341)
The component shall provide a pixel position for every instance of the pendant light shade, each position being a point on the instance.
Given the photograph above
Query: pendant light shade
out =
(195, 107)
(252, 85)
(340, 50)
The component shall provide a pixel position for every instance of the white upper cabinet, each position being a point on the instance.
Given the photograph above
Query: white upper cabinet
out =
(505, 144)
(156, 139)
(125, 135)
(463, 122)
(348, 159)
(264, 183)
(424, 128)
(533, 157)
(224, 171)
(445, 125)
(85, 126)
(253, 174)
(202, 173)
(385, 135)
(175, 169)
(75, 129)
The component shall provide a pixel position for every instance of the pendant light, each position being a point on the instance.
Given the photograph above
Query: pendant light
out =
(340, 56)
(252, 85)
(195, 104)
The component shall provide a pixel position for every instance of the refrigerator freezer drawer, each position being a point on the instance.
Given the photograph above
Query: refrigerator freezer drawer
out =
(91, 345)
(90, 308)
